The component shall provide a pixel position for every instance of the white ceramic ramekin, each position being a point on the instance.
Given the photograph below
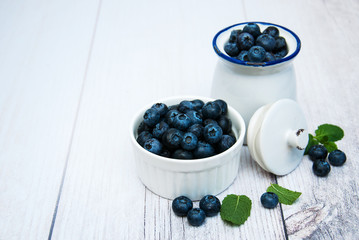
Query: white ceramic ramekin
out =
(171, 178)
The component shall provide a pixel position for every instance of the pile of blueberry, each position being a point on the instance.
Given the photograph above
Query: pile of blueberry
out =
(251, 45)
(189, 130)
(209, 206)
(318, 154)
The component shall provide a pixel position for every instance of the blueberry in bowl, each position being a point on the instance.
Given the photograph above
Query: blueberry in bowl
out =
(203, 156)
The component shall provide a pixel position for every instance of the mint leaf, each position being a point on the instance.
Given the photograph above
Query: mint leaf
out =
(236, 208)
(311, 142)
(329, 133)
(330, 146)
(285, 196)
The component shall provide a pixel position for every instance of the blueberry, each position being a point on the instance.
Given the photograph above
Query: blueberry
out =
(209, 121)
(234, 36)
(171, 114)
(151, 117)
(269, 57)
(196, 129)
(210, 205)
(182, 154)
(317, 152)
(231, 49)
(266, 41)
(160, 129)
(181, 205)
(281, 53)
(321, 168)
(173, 107)
(256, 54)
(143, 127)
(181, 121)
(153, 145)
(225, 123)
(172, 138)
(143, 137)
(245, 41)
(253, 29)
(273, 31)
(195, 117)
(212, 133)
(196, 217)
(165, 153)
(223, 105)
(225, 143)
(269, 200)
(197, 104)
(161, 108)
(185, 106)
(189, 141)
(203, 150)
(211, 110)
(280, 43)
(337, 158)
(243, 56)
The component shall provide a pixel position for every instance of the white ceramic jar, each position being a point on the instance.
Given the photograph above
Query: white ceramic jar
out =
(248, 86)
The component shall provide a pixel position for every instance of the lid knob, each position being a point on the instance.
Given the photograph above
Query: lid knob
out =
(298, 138)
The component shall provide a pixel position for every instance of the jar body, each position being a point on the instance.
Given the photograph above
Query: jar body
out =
(247, 88)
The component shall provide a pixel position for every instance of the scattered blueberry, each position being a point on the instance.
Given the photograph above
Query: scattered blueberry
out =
(211, 110)
(172, 138)
(153, 145)
(256, 54)
(210, 205)
(253, 29)
(225, 143)
(321, 168)
(337, 158)
(203, 150)
(161, 108)
(182, 205)
(182, 154)
(181, 121)
(317, 152)
(143, 137)
(212, 133)
(269, 200)
(266, 41)
(189, 141)
(151, 117)
(245, 42)
(231, 49)
(273, 31)
(196, 217)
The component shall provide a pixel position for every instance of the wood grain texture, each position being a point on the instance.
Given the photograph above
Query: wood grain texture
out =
(38, 102)
(73, 73)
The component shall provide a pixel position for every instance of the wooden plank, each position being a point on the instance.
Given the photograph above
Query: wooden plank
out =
(43, 52)
(162, 50)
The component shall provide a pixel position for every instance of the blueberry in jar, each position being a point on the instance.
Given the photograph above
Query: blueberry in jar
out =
(269, 200)
(321, 168)
(153, 145)
(210, 205)
(337, 158)
(196, 217)
(181, 205)
(256, 54)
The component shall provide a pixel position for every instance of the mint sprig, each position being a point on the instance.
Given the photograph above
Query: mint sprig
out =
(285, 196)
(236, 209)
(327, 135)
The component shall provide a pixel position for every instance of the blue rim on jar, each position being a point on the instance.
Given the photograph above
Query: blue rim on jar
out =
(292, 52)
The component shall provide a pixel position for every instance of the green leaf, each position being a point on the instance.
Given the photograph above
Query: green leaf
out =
(285, 196)
(332, 132)
(236, 208)
(330, 146)
(311, 142)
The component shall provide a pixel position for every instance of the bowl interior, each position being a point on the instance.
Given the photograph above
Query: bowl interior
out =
(291, 38)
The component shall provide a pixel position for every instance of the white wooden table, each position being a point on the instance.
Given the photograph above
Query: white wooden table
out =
(74, 72)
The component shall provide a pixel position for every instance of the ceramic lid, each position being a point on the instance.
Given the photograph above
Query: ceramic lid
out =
(277, 136)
